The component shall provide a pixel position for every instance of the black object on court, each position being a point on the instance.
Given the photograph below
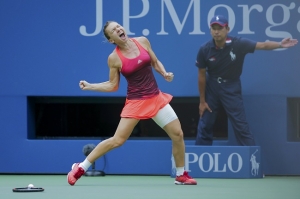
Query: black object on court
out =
(28, 189)
(87, 149)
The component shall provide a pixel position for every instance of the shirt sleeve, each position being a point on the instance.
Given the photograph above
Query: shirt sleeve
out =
(247, 45)
(200, 60)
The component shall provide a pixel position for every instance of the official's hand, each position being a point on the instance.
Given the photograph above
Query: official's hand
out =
(203, 106)
(288, 42)
(84, 85)
(169, 76)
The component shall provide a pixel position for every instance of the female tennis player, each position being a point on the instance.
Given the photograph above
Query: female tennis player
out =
(134, 59)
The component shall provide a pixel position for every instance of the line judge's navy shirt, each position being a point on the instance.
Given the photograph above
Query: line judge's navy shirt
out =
(226, 62)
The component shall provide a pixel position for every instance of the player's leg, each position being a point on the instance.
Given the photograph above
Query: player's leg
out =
(122, 133)
(124, 129)
(167, 119)
(232, 101)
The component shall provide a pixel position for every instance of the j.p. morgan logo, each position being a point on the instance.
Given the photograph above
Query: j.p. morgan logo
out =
(193, 18)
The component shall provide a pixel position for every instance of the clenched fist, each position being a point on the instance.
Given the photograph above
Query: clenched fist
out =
(169, 76)
(84, 85)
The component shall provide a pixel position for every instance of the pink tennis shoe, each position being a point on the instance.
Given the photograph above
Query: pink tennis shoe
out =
(185, 179)
(75, 173)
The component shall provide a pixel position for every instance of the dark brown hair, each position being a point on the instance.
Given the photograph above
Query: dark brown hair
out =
(104, 29)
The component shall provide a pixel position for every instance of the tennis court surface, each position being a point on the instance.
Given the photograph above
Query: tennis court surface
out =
(150, 187)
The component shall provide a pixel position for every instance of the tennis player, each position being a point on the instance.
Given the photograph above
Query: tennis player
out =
(134, 59)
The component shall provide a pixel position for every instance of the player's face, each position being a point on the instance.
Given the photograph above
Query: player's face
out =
(219, 33)
(116, 33)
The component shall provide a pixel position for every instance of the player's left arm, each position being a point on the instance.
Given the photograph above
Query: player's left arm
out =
(271, 45)
(156, 64)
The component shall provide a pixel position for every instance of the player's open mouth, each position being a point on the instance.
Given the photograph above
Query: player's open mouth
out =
(122, 36)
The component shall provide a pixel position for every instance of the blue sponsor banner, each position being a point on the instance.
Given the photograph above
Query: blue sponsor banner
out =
(222, 162)
(64, 40)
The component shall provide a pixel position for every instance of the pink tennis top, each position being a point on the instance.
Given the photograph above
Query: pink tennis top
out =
(139, 75)
(144, 99)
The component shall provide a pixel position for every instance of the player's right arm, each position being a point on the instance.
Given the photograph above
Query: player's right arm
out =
(114, 64)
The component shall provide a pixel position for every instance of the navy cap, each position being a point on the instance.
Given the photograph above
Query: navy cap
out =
(220, 20)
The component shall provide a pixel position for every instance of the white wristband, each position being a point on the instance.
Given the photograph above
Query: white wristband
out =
(280, 46)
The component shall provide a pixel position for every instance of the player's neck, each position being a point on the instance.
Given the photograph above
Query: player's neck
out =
(126, 46)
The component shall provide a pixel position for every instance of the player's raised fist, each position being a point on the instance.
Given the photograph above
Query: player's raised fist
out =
(84, 84)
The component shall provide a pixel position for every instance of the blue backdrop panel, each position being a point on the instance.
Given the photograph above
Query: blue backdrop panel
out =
(48, 46)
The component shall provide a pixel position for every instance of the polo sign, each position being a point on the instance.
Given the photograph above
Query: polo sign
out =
(222, 162)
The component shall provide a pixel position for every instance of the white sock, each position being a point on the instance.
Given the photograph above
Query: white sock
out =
(179, 171)
(85, 164)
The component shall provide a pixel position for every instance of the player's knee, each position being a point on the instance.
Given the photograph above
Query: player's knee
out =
(177, 135)
(117, 142)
